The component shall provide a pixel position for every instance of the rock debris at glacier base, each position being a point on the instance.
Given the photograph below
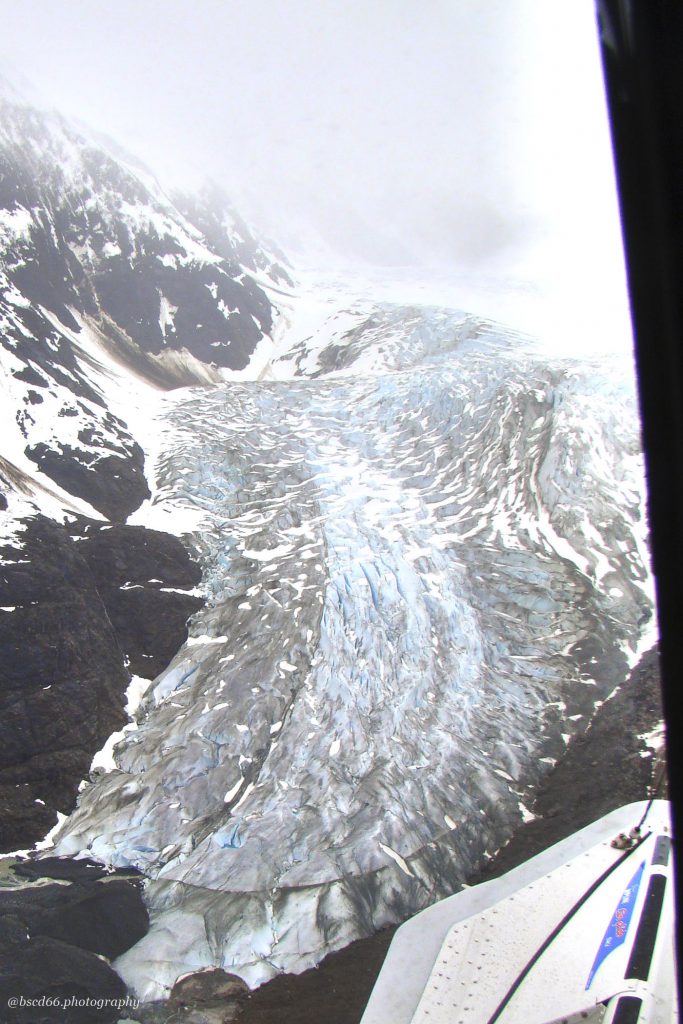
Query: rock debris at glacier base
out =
(421, 580)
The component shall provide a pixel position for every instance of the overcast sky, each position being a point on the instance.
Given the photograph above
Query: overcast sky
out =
(470, 133)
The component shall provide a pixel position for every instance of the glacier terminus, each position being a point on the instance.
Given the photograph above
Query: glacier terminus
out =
(423, 545)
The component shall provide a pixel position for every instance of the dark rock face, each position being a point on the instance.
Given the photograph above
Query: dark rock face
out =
(114, 485)
(52, 977)
(54, 938)
(72, 629)
(149, 624)
(217, 319)
(207, 988)
(103, 918)
(131, 565)
(119, 556)
(83, 869)
(62, 683)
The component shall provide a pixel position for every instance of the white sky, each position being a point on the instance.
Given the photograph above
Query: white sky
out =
(469, 134)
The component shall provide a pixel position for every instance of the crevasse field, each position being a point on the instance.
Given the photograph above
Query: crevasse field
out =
(423, 544)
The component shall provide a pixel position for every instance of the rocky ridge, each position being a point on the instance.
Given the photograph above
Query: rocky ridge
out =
(110, 295)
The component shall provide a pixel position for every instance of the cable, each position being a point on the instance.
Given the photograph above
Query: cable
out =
(558, 928)
(655, 790)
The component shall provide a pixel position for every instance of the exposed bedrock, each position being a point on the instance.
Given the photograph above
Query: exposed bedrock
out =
(115, 485)
(64, 664)
(57, 941)
(103, 918)
(62, 679)
(141, 576)
(48, 969)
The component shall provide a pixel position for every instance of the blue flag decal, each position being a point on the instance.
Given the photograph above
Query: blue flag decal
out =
(618, 927)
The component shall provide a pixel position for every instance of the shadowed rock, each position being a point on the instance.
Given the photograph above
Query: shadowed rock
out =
(106, 918)
(49, 975)
(68, 632)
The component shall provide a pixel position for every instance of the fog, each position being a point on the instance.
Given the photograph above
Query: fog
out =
(461, 134)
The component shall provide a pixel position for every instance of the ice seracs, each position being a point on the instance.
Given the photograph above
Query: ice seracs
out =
(420, 556)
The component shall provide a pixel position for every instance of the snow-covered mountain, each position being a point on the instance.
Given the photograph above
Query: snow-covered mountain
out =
(169, 288)
(423, 555)
(110, 294)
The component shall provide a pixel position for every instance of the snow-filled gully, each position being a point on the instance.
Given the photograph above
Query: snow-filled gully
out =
(420, 581)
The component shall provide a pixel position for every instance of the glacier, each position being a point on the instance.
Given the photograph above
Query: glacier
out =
(424, 558)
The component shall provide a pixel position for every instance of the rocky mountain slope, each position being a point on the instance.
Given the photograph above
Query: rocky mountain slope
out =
(110, 294)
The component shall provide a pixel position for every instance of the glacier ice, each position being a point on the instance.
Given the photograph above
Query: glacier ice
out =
(421, 578)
